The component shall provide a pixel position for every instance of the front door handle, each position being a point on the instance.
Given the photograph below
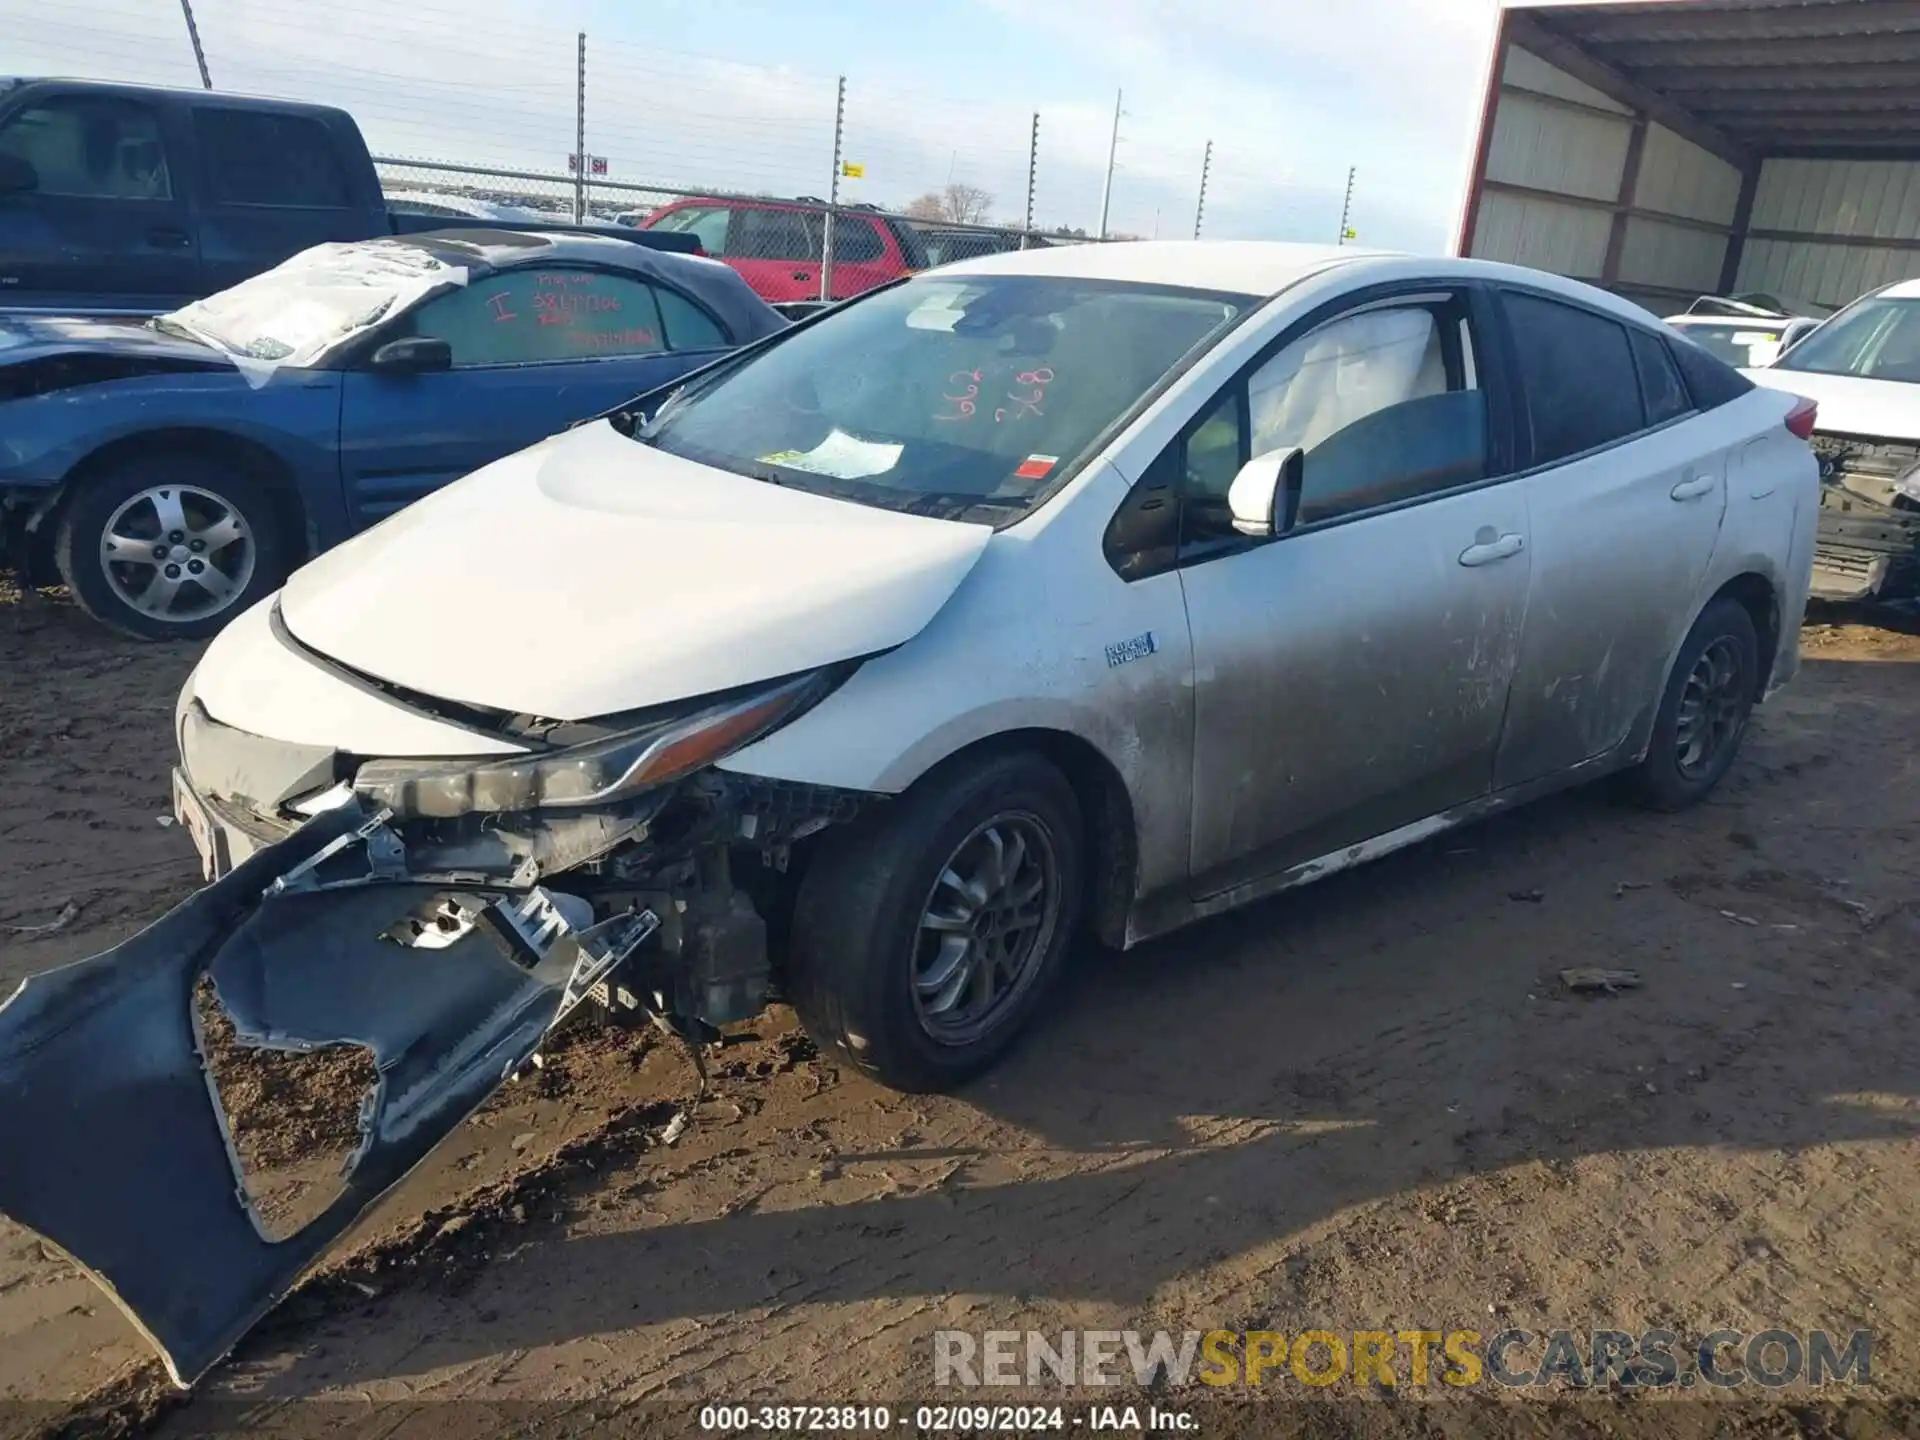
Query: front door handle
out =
(801, 275)
(1485, 552)
(1693, 488)
(167, 237)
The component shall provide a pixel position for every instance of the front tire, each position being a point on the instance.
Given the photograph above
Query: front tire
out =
(925, 941)
(1704, 711)
(170, 545)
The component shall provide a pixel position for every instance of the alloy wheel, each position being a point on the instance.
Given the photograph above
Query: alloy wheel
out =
(987, 923)
(177, 553)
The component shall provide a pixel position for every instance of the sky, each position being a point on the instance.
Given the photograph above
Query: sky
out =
(742, 94)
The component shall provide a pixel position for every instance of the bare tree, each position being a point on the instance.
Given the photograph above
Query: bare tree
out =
(955, 203)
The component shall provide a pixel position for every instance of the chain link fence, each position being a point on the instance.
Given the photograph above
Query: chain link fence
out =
(793, 250)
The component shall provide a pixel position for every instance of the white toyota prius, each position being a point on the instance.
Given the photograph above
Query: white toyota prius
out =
(1087, 590)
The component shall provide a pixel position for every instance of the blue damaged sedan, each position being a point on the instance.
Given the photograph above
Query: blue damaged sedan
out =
(174, 470)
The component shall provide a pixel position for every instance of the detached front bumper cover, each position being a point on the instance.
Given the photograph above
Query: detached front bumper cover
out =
(113, 1144)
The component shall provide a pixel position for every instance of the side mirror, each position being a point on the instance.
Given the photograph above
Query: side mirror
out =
(415, 355)
(17, 175)
(1265, 495)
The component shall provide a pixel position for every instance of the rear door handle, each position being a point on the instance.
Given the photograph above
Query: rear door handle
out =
(802, 275)
(167, 237)
(1693, 488)
(1488, 551)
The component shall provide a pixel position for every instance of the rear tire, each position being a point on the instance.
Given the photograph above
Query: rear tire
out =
(924, 942)
(1704, 711)
(170, 545)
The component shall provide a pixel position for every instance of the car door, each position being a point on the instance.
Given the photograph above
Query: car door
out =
(534, 350)
(107, 220)
(1350, 674)
(271, 185)
(1626, 493)
(777, 249)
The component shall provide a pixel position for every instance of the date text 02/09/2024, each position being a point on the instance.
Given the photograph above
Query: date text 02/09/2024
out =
(941, 1419)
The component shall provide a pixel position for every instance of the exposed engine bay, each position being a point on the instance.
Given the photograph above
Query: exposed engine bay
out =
(1869, 538)
(443, 915)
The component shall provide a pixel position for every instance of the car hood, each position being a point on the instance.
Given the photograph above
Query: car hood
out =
(592, 574)
(1849, 405)
(44, 353)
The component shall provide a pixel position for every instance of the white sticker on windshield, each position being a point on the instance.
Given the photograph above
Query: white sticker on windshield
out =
(841, 456)
(940, 310)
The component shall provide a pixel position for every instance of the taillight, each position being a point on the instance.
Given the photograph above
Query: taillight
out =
(1800, 419)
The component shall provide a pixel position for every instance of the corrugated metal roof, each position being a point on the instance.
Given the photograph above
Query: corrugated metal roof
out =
(1773, 77)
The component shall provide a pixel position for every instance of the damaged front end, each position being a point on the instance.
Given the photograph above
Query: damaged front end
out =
(1869, 538)
(442, 916)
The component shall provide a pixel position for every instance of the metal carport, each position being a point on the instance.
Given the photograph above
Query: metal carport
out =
(1668, 149)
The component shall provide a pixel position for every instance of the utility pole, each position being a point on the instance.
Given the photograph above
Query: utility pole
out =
(1346, 208)
(833, 193)
(1113, 148)
(1200, 208)
(1033, 164)
(580, 160)
(199, 55)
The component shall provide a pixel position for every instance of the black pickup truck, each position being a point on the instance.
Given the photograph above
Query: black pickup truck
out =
(134, 198)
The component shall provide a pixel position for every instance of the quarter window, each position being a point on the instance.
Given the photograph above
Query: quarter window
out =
(528, 317)
(1577, 367)
(1661, 389)
(95, 147)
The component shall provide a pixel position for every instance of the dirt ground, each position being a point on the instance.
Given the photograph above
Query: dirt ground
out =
(1367, 1105)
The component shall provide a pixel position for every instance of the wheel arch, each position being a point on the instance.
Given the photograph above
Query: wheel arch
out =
(261, 462)
(1109, 832)
(1760, 598)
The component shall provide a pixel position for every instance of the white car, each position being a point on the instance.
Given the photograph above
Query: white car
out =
(1086, 589)
(1741, 333)
(1863, 368)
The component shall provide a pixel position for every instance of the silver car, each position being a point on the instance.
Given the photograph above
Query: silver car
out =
(1090, 589)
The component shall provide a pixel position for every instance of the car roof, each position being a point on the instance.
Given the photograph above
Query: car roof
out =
(1247, 267)
(1905, 290)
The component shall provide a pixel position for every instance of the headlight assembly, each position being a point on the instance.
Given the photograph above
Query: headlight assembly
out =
(596, 773)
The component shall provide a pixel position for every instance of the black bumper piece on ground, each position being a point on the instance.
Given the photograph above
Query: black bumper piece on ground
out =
(112, 1141)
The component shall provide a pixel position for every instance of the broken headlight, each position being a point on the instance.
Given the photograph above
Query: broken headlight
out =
(596, 773)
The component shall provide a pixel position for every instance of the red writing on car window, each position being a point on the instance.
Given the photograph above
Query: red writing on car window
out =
(638, 337)
(961, 406)
(1032, 389)
(1025, 398)
(562, 279)
(502, 306)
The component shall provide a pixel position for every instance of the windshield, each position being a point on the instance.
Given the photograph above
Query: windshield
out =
(945, 395)
(1875, 340)
(300, 309)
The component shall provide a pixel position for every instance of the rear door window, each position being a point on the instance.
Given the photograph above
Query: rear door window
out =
(1577, 370)
(767, 234)
(252, 157)
(855, 240)
(96, 147)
